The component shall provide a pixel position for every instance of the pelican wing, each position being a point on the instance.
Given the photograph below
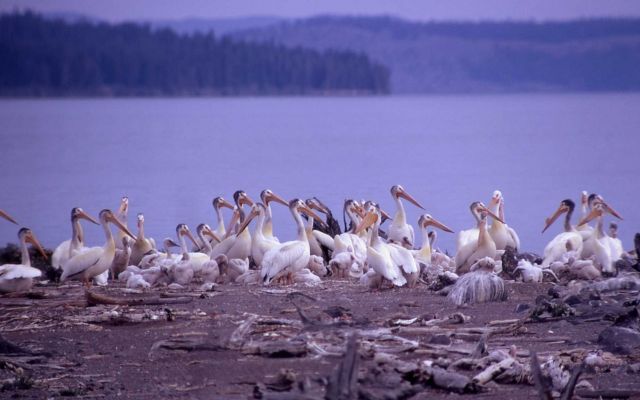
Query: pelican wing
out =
(514, 236)
(324, 239)
(467, 236)
(403, 258)
(60, 254)
(81, 262)
(279, 258)
(15, 271)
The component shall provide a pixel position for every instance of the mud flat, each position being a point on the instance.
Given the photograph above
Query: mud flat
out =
(337, 340)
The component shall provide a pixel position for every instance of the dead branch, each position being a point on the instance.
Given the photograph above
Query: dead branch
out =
(541, 384)
(343, 384)
(95, 299)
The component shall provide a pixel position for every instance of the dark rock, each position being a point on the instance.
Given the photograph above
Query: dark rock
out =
(633, 368)
(555, 291)
(522, 307)
(573, 299)
(618, 339)
(440, 339)
(595, 303)
(509, 261)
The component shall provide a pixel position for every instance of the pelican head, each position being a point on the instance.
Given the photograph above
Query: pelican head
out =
(140, 217)
(7, 217)
(566, 206)
(26, 235)
(299, 206)
(219, 202)
(183, 230)
(427, 220)
(352, 207)
(480, 211)
(107, 216)
(599, 200)
(241, 198)
(598, 210)
(168, 243)
(315, 204)
(398, 191)
(124, 205)
(370, 203)
(370, 218)
(204, 229)
(78, 213)
(267, 196)
(496, 198)
(584, 197)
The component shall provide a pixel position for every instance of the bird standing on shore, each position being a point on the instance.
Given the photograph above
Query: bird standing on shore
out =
(19, 277)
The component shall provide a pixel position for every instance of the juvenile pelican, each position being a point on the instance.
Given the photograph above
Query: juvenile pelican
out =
(267, 196)
(570, 239)
(500, 232)
(236, 246)
(483, 246)
(7, 217)
(73, 246)
(399, 231)
(19, 277)
(471, 235)
(352, 242)
(289, 257)
(95, 260)
(218, 203)
(142, 244)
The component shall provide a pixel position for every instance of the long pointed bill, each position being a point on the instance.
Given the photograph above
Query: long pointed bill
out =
(313, 215)
(232, 223)
(492, 215)
(315, 205)
(212, 234)
(611, 210)
(190, 236)
(245, 200)
(169, 243)
(366, 222)
(88, 217)
(225, 203)
(439, 224)
(247, 221)
(7, 217)
(593, 214)
(323, 207)
(32, 239)
(123, 228)
(274, 197)
(384, 215)
(409, 198)
(549, 221)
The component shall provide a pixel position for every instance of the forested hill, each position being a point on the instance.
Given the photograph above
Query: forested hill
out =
(583, 55)
(51, 57)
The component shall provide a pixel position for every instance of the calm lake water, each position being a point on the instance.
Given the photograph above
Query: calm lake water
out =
(172, 156)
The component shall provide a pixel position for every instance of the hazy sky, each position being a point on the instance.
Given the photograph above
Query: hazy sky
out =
(117, 10)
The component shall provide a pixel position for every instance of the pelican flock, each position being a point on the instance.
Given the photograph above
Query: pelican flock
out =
(371, 251)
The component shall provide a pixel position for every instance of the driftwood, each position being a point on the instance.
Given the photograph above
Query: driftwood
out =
(95, 299)
(493, 371)
(608, 393)
(343, 384)
(541, 382)
(567, 394)
(276, 348)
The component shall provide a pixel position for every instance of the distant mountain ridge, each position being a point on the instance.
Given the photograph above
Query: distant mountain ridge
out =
(452, 57)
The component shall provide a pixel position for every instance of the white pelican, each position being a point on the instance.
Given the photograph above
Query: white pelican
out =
(614, 242)
(73, 246)
(289, 257)
(123, 212)
(500, 232)
(218, 203)
(569, 240)
(7, 217)
(379, 254)
(482, 246)
(236, 246)
(471, 235)
(95, 260)
(425, 253)
(260, 244)
(142, 245)
(399, 231)
(267, 196)
(19, 277)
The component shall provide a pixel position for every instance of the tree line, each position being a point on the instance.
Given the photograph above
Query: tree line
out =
(43, 57)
